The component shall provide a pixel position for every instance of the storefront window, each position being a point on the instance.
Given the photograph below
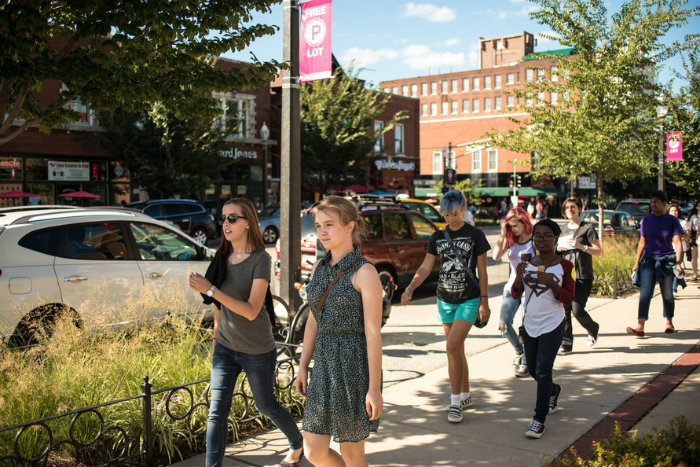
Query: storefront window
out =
(45, 190)
(37, 169)
(242, 173)
(118, 173)
(256, 173)
(11, 168)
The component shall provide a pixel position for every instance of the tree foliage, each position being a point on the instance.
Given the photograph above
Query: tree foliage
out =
(121, 53)
(166, 155)
(604, 123)
(337, 124)
(684, 115)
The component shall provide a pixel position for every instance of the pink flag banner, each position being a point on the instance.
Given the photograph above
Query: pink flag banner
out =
(674, 146)
(315, 41)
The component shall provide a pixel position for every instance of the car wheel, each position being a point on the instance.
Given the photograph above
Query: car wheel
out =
(270, 235)
(200, 234)
(39, 325)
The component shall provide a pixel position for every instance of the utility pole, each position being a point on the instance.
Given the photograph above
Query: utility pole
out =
(290, 164)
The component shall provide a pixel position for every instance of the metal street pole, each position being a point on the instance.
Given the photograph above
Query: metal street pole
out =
(265, 135)
(661, 159)
(515, 179)
(290, 164)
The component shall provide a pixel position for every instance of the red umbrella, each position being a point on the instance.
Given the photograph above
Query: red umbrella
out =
(80, 194)
(357, 188)
(17, 194)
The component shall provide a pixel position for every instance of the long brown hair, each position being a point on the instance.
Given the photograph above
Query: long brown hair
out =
(255, 240)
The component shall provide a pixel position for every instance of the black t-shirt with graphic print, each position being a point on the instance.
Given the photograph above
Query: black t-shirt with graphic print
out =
(454, 285)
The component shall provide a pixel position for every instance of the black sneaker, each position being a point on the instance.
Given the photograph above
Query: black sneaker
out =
(535, 429)
(554, 399)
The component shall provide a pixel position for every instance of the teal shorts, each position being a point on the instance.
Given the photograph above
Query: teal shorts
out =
(467, 311)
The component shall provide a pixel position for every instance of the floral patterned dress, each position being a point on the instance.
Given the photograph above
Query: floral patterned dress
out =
(335, 398)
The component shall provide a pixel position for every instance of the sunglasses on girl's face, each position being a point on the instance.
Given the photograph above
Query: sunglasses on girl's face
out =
(231, 218)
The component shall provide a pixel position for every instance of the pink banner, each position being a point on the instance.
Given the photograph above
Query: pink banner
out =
(315, 40)
(674, 146)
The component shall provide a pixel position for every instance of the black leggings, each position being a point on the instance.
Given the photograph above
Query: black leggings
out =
(578, 306)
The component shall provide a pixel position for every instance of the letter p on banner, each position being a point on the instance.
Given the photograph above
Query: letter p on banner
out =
(315, 42)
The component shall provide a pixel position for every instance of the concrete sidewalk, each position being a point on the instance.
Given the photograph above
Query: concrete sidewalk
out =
(596, 384)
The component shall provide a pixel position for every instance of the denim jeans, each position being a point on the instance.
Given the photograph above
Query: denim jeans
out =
(653, 269)
(260, 369)
(578, 307)
(509, 307)
(542, 350)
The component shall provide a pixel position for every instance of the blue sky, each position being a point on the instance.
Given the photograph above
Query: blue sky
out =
(394, 39)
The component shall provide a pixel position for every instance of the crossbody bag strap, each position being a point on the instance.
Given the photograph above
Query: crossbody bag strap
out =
(471, 275)
(335, 279)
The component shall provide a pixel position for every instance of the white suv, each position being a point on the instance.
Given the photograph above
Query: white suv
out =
(102, 266)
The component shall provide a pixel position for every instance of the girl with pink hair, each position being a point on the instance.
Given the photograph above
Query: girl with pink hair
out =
(516, 240)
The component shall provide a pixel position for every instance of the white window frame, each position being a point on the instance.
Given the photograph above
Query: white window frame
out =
(454, 106)
(437, 162)
(433, 88)
(510, 101)
(399, 139)
(540, 98)
(475, 83)
(443, 86)
(475, 106)
(553, 98)
(404, 90)
(414, 90)
(465, 106)
(554, 73)
(529, 74)
(454, 86)
(444, 108)
(497, 81)
(510, 78)
(497, 103)
(487, 82)
(423, 89)
(433, 109)
(492, 160)
(379, 138)
(465, 84)
(487, 104)
(476, 161)
(395, 90)
(424, 110)
(540, 75)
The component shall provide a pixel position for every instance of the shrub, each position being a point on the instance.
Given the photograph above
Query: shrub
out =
(676, 444)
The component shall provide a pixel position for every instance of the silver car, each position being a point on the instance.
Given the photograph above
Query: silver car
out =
(102, 267)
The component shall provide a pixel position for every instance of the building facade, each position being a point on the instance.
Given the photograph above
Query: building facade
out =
(457, 110)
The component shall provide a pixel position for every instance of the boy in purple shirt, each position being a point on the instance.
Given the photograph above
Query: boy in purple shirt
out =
(659, 252)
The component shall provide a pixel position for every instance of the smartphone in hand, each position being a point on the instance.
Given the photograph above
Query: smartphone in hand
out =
(526, 257)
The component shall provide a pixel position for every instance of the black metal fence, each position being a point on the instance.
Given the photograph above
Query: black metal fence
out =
(132, 440)
(613, 284)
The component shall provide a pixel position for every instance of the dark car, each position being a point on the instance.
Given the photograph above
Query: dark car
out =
(637, 208)
(190, 216)
(615, 223)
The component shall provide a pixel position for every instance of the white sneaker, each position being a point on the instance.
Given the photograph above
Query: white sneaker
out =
(591, 341)
(535, 429)
(454, 415)
(466, 403)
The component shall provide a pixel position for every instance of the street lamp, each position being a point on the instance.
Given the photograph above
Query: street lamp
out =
(265, 135)
(448, 177)
(661, 112)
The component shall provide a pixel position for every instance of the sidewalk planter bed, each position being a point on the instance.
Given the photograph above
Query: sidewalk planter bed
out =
(676, 444)
(613, 270)
(83, 400)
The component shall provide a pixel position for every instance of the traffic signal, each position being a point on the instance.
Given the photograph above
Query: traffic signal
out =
(510, 182)
(519, 181)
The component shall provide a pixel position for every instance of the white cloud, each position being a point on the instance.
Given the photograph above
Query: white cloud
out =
(449, 42)
(366, 57)
(420, 57)
(542, 42)
(505, 14)
(473, 56)
(429, 11)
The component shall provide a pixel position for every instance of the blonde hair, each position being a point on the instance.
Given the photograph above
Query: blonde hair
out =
(255, 240)
(346, 211)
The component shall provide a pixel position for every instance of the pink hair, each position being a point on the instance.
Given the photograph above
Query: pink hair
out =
(524, 218)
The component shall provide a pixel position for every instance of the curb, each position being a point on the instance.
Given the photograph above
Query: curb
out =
(630, 412)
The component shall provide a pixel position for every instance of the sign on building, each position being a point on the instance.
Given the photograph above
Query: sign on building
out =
(315, 41)
(69, 171)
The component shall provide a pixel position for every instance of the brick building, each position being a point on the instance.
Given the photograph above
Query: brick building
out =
(458, 108)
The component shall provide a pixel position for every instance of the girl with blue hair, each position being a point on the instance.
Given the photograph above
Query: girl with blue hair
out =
(462, 294)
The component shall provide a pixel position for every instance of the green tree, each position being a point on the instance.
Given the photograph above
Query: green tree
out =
(337, 134)
(166, 155)
(467, 187)
(605, 123)
(121, 53)
(684, 112)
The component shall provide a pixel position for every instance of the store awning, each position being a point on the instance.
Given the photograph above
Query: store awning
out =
(524, 191)
(425, 193)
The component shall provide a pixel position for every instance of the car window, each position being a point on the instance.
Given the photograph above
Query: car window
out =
(627, 220)
(615, 220)
(397, 227)
(423, 228)
(101, 241)
(636, 209)
(43, 241)
(425, 209)
(373, 224)
(156, 243)
(154, 210)
(176, 209)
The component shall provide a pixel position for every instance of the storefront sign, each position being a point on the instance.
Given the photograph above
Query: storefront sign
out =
(10, 164)
(395, 165)
(238, 154)
(674, 146)
(586, 183)
(315, 41)
(69, 171)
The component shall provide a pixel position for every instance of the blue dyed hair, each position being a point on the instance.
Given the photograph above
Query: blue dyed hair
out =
(452, 200)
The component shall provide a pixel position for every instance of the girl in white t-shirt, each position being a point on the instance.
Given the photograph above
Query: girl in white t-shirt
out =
(693, 240)
(516, 240)
(546, 284)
